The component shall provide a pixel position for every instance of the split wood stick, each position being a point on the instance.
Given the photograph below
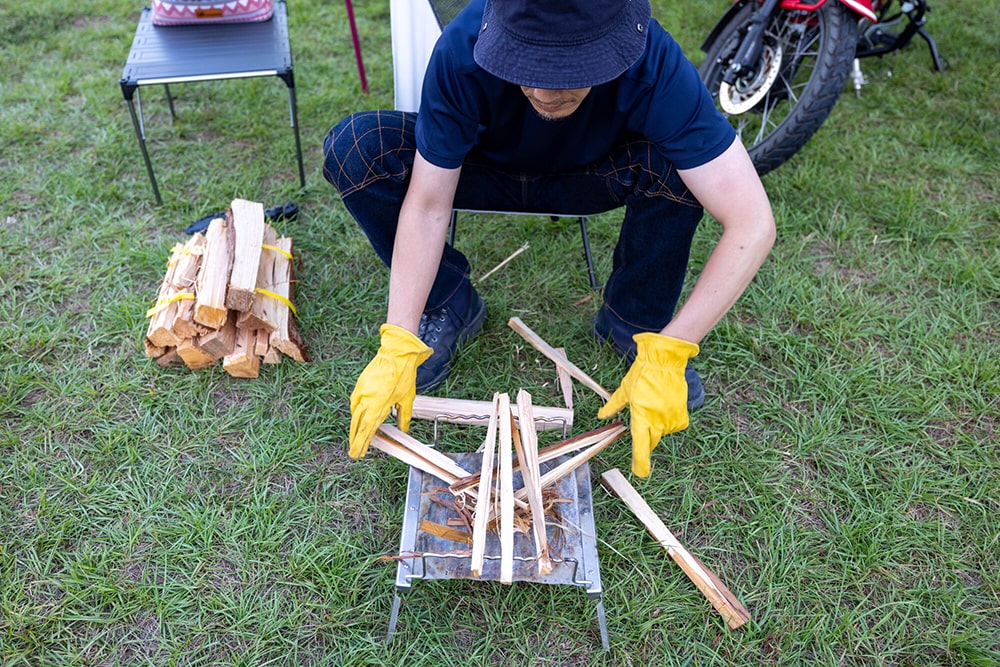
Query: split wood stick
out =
(482, 514)
(160, 331)
(259, 316)
(184, 279)
(384, 443)
(438, 458)
(528, 456)
(560, 360)
(565, 381)
(221, 342)
(435, 460)
(506, 494)
(464, 411)
(566, 467)
(708, 583)
(243, 362)
(248, 235)
(446, 532)
(285, 336)
(554, 451)
(213, 274)
(193, 356)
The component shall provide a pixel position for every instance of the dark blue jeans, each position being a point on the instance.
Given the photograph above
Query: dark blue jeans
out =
(369, 155)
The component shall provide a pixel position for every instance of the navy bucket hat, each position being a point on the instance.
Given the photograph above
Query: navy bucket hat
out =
(559, 44)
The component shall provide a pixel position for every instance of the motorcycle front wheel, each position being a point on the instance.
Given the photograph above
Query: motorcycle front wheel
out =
(806, 60)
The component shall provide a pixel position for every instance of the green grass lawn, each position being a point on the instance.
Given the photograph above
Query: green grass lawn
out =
(842, 478)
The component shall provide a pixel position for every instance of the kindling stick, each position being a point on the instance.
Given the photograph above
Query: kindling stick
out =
(506, 494)
(554, 451)
(485, 491)
(528, 457)
(707, 582)
(560, 360)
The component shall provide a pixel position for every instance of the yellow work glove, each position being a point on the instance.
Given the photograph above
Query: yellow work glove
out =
(656, 392)
(390, 379)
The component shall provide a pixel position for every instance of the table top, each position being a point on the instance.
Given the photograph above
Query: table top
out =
(172, 54)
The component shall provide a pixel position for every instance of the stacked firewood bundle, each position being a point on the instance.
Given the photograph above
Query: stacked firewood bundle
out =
(227, 296)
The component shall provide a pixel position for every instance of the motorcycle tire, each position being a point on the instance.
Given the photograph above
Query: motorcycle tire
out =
(806, 61)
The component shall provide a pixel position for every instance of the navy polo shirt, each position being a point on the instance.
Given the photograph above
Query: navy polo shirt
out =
(465, 110)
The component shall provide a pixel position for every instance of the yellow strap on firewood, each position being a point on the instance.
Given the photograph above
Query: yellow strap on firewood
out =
(276, 249)
(163, 303)
(280, 298)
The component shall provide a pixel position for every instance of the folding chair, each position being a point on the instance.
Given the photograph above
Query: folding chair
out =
(416, 26)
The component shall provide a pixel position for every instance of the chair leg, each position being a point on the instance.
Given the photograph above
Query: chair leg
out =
(586, 252)
(451, 227)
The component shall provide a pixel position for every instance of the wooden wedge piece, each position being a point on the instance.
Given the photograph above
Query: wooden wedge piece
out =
(565, 381)
(192, 354)
(221, 342)
(708, 583)
(559, 359)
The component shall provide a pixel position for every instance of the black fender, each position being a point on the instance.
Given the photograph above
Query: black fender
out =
(723, 22)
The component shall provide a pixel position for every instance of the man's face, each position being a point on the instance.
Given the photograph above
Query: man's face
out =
(555, 104)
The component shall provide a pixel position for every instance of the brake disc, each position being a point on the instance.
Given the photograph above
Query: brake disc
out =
(745, 95)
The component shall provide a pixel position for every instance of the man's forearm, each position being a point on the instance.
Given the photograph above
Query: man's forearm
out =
(419, 245)
(416, 256)
(726, 275)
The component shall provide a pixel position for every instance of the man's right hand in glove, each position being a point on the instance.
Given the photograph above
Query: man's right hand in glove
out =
(389, 380)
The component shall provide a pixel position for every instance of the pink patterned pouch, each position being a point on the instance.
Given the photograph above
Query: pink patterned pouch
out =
(187, 12)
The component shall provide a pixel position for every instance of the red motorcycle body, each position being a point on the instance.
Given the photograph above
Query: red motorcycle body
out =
(862, 7)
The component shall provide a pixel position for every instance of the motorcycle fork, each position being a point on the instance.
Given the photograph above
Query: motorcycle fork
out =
(752, 45)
